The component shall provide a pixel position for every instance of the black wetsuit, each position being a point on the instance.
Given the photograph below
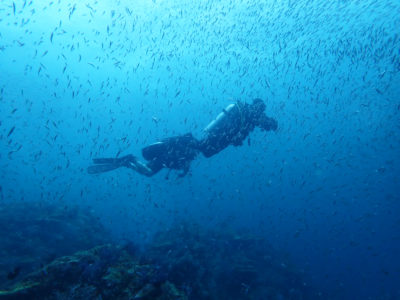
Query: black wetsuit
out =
(175, 152)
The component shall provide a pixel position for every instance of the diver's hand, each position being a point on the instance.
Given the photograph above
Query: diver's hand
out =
(183, 174)
(267, 123)
(185, 170)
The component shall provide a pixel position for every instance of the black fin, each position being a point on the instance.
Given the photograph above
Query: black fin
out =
(104, 160)
(102, 168)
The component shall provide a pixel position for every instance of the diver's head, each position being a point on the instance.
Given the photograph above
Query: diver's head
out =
(258, 107)
(259, 117)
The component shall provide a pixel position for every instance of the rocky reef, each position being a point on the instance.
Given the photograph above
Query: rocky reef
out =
(34, 234)
(184, 262)
(216, 264)
(104, 272)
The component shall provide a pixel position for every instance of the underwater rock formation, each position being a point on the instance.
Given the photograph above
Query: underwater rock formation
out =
(221, 265)
(34, 234)
(186, 262)
(104, 272)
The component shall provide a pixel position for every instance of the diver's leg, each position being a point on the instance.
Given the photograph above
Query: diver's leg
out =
(128, 161)
(141, 168)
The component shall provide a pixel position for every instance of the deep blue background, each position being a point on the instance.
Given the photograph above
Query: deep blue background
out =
(82, 80)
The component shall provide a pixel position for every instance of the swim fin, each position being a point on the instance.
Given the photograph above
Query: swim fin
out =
(102, 168)
(105, 160)
(108, 164)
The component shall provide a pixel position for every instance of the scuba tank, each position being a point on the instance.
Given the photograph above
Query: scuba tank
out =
(222, 120)
(223, 129)
(230, 118)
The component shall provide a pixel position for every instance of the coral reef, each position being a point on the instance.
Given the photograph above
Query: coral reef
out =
(34, 234)
(55, 253)
(104, 272)
(216, 264)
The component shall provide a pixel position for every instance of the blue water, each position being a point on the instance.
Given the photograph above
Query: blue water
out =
(92, 79)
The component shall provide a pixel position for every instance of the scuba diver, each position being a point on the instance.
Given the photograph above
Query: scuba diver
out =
(230, 127)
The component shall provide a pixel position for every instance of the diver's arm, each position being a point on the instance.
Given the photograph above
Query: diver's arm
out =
(267, 123)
